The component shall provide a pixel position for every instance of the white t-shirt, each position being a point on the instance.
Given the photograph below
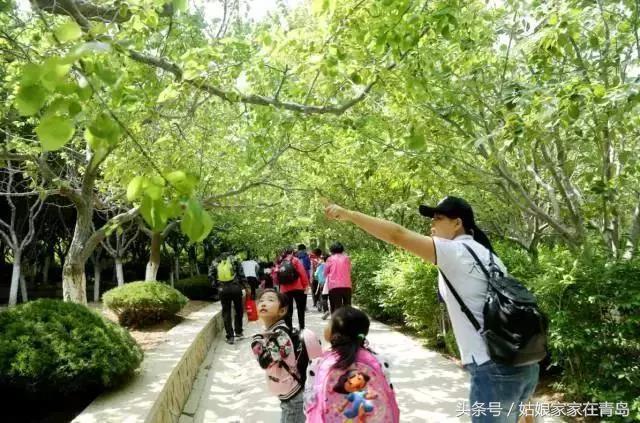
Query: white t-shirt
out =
(249, 268)
(453, 259)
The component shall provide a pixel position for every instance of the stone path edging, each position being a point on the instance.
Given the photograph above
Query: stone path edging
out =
(160, 390)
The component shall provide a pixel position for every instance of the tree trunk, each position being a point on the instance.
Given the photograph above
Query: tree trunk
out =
(15, 278)
(97, 275)
(74, 281)
(119, 271)
(23, 288)
(45, 270)
(154, 257)
(171, 277)
(177, 271)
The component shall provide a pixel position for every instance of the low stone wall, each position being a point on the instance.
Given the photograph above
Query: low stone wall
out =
(159, 392)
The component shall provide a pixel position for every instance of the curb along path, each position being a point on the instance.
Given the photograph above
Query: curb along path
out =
(230, 387)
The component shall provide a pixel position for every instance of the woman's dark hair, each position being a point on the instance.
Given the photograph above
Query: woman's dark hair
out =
(349, 327)
(336, 248)
(282, 300)
(301, 247)
(478, 236)
(317, 252)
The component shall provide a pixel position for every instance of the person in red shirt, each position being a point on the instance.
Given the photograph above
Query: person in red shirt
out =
(294, 291)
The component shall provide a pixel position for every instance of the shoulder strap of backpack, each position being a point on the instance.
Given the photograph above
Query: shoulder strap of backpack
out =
(463, 306)
(475, 257)
(295, 344)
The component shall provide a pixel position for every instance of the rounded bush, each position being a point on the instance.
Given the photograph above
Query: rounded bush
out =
(49, 348)
(142, 303)
(196, 288)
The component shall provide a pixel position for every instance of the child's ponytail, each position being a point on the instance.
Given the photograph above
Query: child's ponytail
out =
(349, 328)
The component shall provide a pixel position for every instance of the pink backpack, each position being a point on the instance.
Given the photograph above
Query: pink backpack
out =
(361, 393)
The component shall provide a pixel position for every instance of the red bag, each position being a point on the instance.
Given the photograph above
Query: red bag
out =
(252, 310)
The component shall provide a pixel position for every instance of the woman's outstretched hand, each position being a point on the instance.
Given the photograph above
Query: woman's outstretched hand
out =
(334, 211)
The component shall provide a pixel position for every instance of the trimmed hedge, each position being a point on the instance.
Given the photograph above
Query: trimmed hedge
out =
(142, 303)
(196, 288)
(49, 348)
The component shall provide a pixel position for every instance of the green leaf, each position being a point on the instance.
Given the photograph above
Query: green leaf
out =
(54, 72)
(30, 100)
(154, 191)
(54, 132)
(106, 128)
(74, 108)
(180, 5)
(193, 221)
(68, 31)
(168, 94)
(109, 76)
(184, 182)
(31, 74)
(599, 90)
(134, 189)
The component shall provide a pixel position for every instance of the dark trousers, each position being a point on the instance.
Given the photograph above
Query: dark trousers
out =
(325, 302)
(314, 295)
(253, 283)
(300, 298)
(339, 297)
(232, 293)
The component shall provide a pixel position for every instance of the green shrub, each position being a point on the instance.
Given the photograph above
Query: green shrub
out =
(52, 348)
(142, 303)
(195, 288)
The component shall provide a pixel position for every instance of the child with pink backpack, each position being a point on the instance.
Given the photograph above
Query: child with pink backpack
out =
(284, 354)
(349, 383)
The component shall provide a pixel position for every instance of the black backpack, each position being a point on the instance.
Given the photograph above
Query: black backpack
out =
(515, 330)
(302, 357)
(287, 273)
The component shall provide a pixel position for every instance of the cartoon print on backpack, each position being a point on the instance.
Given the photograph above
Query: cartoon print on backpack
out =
(353, 384)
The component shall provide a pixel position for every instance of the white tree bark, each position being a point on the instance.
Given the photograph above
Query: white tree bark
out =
(97, 276)
(177, 271)
(23, 288)
(119, 271)
(15, 278)
(152, 271)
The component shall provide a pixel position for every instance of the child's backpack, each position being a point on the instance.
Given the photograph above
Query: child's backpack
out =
(284, 377)
(307, 347)
(225, 270)
(360, 393)
(287, 273)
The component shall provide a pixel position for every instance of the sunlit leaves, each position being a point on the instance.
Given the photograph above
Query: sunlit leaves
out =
(68, 31)
(54, 132)
(30, 99)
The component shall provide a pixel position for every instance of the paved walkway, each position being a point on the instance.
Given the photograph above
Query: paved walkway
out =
(230, 387)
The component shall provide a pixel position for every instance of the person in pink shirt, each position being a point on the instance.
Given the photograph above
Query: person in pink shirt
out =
(295, 290)
(337, 272)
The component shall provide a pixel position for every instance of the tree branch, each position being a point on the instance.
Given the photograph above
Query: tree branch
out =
(98, 236)
(93, 12)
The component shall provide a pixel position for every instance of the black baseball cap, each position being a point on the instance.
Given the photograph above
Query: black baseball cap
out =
(452, 207)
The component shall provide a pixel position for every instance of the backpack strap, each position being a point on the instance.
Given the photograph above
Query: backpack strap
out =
(463, 306)
(296, 346)
(475, 257)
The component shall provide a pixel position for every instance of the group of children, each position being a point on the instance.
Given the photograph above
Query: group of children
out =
(347, 383)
